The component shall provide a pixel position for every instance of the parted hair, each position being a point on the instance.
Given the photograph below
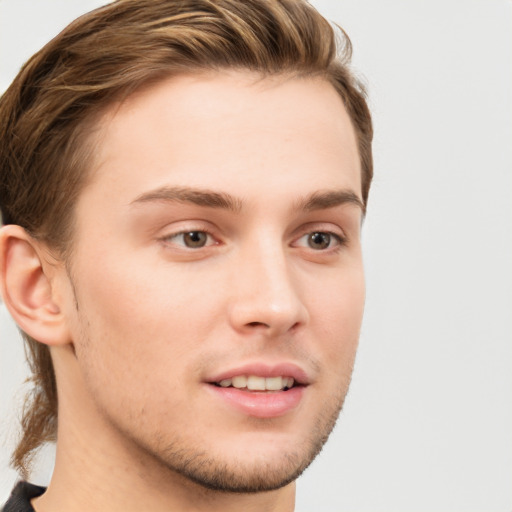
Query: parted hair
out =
(48, 114)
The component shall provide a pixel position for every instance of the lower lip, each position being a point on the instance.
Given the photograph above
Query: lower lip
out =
(260, 404)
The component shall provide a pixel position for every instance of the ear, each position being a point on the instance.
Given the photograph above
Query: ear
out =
(26, 278)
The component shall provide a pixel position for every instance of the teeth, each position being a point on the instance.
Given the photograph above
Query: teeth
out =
(274, 383)
(240, 381)
(255, 383)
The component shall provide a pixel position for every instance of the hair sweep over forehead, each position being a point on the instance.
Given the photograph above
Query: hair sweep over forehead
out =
(47, 115)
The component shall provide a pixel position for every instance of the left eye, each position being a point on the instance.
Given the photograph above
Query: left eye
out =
(191, 239)
(320, 240)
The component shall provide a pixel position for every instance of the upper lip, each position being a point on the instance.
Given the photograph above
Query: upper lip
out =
(262, 369)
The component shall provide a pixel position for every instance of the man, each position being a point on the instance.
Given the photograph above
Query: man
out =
(182, 189)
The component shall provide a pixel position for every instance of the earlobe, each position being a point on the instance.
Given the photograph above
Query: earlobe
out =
(26, 287)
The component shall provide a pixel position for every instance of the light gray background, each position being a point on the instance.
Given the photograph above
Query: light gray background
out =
(427, 426)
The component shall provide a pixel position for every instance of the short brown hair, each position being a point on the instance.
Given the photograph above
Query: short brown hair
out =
(47, 113)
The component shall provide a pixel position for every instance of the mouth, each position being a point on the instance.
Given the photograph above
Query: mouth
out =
(258, 383)
(259, 390)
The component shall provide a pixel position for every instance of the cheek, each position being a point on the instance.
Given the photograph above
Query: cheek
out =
(337, 316)
(131, 337)
(144, 316)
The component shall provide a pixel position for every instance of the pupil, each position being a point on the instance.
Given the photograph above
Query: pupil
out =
(195, 239)
(319, 240)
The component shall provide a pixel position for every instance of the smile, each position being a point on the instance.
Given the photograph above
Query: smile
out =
(257, 383)
(259, 389)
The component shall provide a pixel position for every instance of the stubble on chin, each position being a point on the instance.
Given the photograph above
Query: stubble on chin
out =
(246, 476)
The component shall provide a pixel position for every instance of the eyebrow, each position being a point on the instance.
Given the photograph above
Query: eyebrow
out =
(322, 200)
(319, 200)
(200, 197)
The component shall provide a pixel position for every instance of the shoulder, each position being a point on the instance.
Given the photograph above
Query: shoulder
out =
(19, 501)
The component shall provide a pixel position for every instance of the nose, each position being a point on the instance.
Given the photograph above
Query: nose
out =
(266, 296)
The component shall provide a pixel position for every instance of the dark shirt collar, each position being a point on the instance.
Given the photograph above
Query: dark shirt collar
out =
(21, 495)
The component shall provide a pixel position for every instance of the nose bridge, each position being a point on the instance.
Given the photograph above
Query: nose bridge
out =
(267, 294)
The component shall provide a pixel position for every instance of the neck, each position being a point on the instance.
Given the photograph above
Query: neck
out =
(99, 469)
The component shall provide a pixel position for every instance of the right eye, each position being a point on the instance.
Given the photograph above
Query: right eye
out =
(320, 240)
(195, 239)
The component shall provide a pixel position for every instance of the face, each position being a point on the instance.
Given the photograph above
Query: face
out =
(217, 275)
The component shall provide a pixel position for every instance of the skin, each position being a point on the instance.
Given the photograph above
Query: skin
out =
(146, 321)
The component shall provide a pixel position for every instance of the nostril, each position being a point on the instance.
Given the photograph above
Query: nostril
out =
(257, 324)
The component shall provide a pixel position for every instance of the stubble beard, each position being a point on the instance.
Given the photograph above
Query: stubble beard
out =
(243, 476)
(239, 476)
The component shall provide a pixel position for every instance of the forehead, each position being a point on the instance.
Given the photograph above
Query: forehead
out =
(229, 129)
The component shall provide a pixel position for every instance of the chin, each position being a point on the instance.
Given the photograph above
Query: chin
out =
(245, 476)
(252, 463)
(261, 455)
